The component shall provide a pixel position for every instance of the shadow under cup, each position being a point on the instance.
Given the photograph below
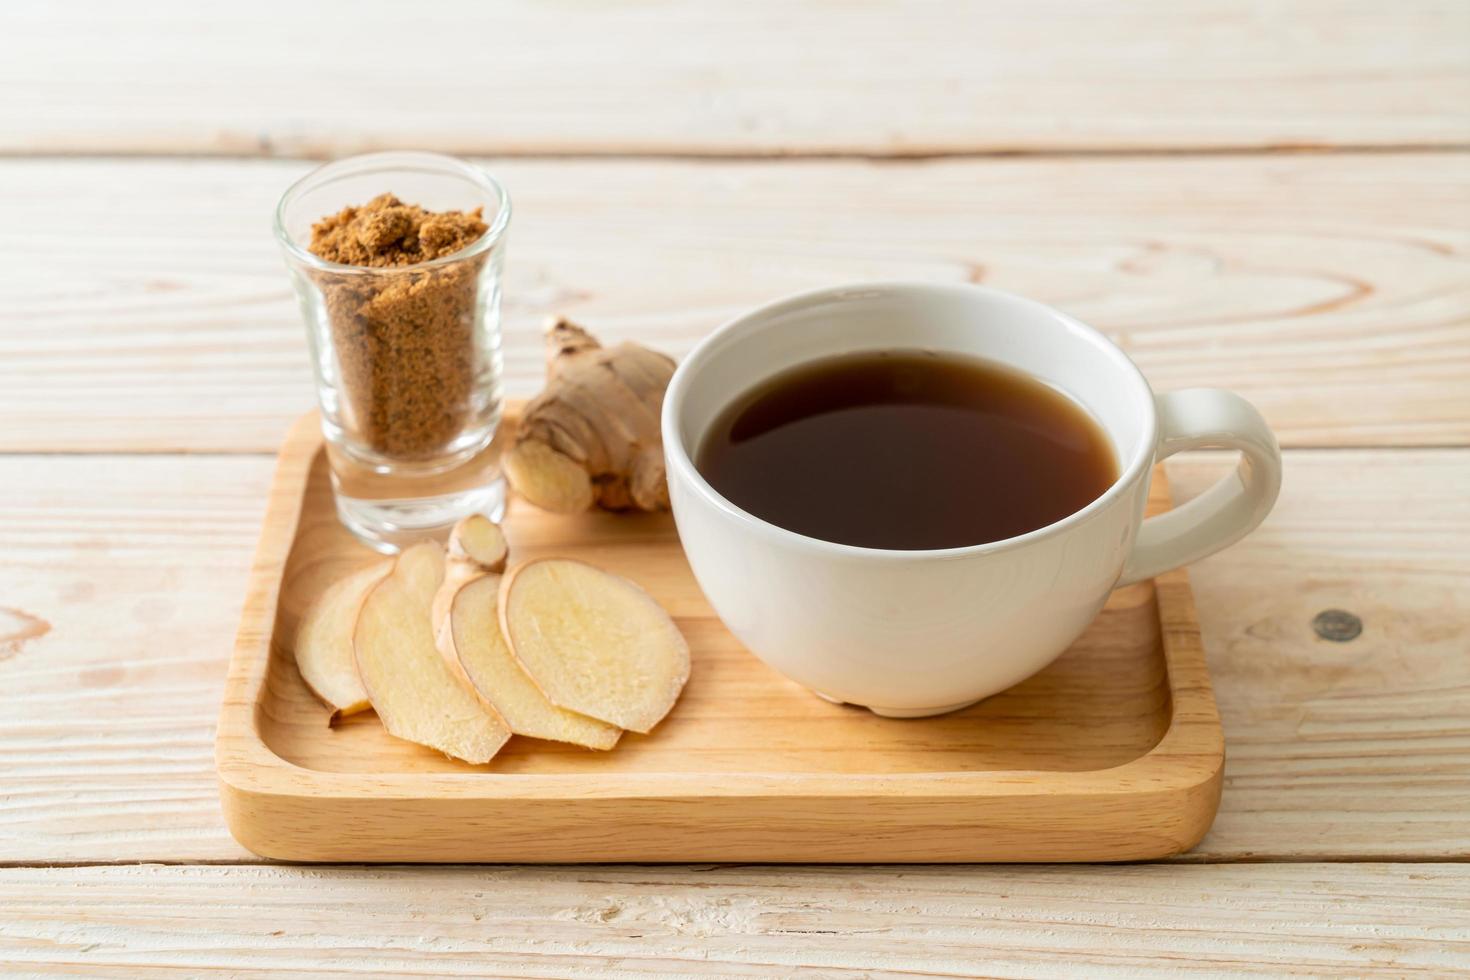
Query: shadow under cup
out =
(909, 633)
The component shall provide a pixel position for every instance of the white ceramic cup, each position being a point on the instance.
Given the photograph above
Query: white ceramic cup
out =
(915, 633)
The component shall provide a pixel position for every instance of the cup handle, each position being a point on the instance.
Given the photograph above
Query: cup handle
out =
(1201, 418)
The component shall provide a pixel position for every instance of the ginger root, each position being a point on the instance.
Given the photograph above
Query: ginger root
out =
(592, 436)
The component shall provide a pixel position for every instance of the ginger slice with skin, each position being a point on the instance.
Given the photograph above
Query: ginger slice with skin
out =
(323, 645)
(467, 631)
(594, 642)
(476, 546)
(474, 638)
(415, 693)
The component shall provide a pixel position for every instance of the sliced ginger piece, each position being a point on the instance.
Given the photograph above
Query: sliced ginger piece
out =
(323, 645)
(467, 630)
(593, 642)
(477, 546)
(478, 541)
(474, 639)
(415, 693)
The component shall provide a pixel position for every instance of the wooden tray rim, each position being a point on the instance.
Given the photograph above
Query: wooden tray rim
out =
(1187, 759)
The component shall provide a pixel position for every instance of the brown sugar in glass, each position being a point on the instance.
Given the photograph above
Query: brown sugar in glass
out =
(405, 343)
(396, 259)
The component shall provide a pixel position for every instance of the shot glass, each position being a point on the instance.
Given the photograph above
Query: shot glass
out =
(407, 358)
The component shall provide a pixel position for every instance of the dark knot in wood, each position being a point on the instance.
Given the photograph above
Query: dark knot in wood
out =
(1337, 625)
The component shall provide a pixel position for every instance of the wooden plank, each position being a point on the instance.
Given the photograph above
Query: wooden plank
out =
(694, 77)
(1344, 749)
(1333, 291)
(138, 565)
(615, 921)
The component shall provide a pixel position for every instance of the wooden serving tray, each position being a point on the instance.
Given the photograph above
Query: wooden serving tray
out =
(1112, 753)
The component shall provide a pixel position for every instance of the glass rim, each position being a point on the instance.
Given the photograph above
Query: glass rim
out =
(365, 163)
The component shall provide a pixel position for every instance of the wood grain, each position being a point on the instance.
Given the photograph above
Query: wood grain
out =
(751, 78)
(1333, 750)
(1114, 752)
(1332, 291)
(106, 721)
(1351, 750)
(1256, 920)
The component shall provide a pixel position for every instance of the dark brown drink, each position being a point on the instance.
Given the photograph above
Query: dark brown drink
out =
(907, 450)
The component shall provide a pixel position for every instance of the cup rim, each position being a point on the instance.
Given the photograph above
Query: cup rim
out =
(680, 461)
(437, 163)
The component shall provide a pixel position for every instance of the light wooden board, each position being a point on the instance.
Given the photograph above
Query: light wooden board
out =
(1357, 749)
(139, 566)
(136, 569)
(1112, 753)
(767, 77)
(1334, 291)
(622, 922)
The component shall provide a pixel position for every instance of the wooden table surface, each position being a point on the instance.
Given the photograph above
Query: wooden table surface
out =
(1272, 196)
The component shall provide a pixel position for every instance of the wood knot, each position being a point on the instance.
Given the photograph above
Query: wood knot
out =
(17, 627)
(1337, 625)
